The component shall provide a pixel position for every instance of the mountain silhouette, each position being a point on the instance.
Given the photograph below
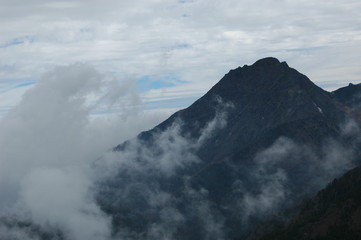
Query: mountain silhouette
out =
(265, 137)
(349, 96)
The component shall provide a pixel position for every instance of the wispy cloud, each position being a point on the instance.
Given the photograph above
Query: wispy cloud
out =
(147, 38)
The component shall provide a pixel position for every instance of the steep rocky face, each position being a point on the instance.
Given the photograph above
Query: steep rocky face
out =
(261, 139)
(261, 102)
(267, 98)
(334, 213)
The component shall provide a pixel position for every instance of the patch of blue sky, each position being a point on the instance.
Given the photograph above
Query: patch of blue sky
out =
(180, 103)
(6, 86)
(17, 41)
(25, 84)
(149, 82)
(175, 103)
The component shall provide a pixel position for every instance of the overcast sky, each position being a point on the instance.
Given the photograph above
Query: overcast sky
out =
(175, 50)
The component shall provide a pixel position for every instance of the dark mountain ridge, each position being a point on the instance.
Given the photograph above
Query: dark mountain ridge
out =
(349, 95)
(264, 107)
(334, 213)
(267, 97)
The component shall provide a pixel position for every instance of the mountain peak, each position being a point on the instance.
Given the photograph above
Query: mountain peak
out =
(266, 72)
(264, 95)
(267, 61)
(264, 63)
(260, 79)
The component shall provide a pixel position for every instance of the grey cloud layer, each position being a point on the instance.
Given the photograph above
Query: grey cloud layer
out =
(196, 40)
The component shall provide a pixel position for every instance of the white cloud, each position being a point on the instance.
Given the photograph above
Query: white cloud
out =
(135, 38)
(49, 143)
(64, 203)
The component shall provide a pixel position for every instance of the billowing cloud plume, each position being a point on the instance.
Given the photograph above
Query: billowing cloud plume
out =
(49, 142)
(56, 156)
